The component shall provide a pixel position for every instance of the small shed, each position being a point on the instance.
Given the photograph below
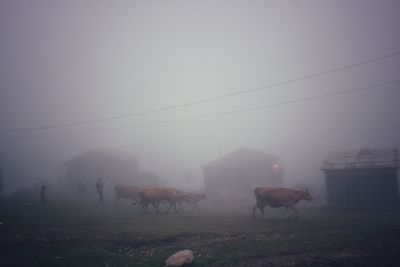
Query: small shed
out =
(113, 166)
(241, 171)
(364, 179)
(1, 182)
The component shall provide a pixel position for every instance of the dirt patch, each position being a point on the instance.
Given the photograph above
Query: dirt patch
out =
(198, 242)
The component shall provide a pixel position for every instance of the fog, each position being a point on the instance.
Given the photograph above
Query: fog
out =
(71, 61)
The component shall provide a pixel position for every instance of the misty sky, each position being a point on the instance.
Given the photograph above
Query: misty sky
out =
(71, 61)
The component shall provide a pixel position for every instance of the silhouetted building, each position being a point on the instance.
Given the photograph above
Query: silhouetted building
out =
(148, 178)
(1, 182)
(365, 179)
(241, 171)
(115, 167)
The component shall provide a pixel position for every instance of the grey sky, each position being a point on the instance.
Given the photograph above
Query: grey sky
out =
(68, 61)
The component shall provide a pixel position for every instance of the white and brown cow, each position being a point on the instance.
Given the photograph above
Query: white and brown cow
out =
(278, 197)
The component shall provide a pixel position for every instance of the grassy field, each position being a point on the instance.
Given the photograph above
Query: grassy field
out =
(71, 233)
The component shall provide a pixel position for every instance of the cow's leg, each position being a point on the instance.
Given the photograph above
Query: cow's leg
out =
(196, 205)
(295, 211)
(263, 212)
(261, 207)
(141, 204)
(169, 207)
(155, 206)
(145, 207)
(286, 213)
(181, 205)
(255, 206)
(172, 204)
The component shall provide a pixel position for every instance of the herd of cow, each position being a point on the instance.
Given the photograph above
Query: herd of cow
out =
(156, 195)
(265, 196)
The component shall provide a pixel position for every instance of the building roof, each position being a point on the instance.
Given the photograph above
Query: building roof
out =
(362, 159)
(99, 155)
(243, 157)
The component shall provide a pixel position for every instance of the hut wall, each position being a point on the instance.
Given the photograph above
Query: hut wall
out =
(85, 174)
(362, 189)
(238, 179)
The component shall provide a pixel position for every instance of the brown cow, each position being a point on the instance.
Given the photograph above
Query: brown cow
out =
(193, 198)
(278, 197)
(126, 191)
(180, 195)
(156, 195)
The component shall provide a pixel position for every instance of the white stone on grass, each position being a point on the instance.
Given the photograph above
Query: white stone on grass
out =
(180, 258)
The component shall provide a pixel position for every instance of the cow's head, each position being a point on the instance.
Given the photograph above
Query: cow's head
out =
(307, 195)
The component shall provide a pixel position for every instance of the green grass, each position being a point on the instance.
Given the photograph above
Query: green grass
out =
(70, 233)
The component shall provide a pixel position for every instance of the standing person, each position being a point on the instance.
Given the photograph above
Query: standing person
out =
(99, 188)
(43, 194)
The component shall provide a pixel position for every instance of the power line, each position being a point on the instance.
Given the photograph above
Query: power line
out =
(306, 99)
(289, 102)
(204, 100)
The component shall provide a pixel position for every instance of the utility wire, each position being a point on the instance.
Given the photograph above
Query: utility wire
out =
(204, 100)
(289, 102)
(306, 99)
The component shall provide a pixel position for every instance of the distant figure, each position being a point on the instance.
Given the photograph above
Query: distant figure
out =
(43, 194)
(99, 188)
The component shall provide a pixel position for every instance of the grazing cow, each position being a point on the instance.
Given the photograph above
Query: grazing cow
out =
(126, 191)
(156, 195)
(278, 197)
(193, 198)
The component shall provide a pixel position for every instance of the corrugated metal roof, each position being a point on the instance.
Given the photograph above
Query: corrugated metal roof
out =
(243, 157)
(362, 159)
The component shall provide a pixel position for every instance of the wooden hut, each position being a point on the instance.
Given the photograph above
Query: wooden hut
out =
(1, 182)
(364, 179)
(113, 166)
(241, 171)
